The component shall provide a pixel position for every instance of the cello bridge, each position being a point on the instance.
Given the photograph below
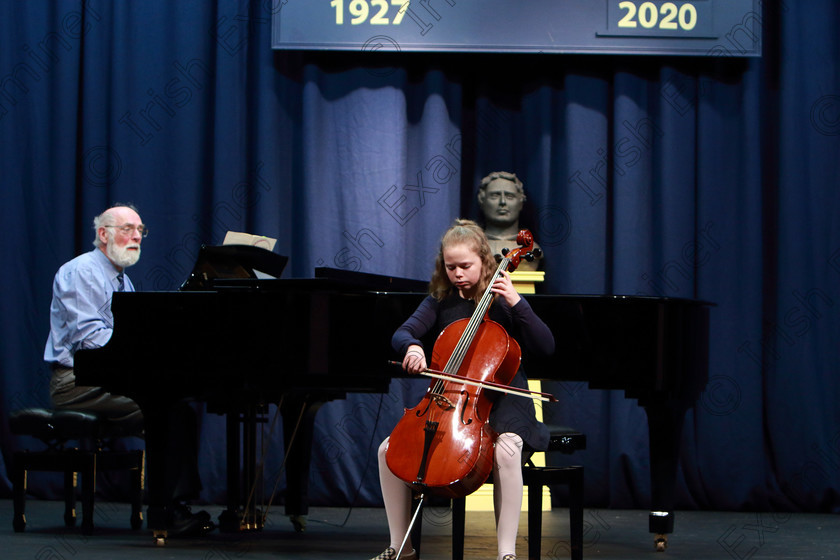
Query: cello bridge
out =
(443, 402)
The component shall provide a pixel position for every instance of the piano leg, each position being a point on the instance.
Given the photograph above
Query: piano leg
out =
(251, 478)
(241, 434)
(665, 422)
(171, 461)
(157, 442)
(229, 518)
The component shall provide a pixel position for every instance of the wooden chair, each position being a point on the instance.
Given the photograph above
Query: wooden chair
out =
(56, 428)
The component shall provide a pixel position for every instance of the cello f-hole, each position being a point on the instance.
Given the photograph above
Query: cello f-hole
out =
(468, 421)
(423, 412)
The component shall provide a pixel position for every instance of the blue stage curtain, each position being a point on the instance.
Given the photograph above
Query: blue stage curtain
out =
(709, 178)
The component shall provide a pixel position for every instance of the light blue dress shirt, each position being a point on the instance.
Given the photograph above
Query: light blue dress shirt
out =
(80, 313)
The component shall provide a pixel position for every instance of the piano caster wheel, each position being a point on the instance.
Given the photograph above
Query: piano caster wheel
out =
(660, 542)
(160, 538)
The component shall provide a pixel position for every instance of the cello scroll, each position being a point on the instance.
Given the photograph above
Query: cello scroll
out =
(525, 250)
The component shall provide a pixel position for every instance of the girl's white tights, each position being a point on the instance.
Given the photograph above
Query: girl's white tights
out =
(507, 495)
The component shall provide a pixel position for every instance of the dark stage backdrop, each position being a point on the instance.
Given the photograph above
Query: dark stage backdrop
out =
(710, 178)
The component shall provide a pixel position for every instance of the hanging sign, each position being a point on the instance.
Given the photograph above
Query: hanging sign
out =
(653, 27)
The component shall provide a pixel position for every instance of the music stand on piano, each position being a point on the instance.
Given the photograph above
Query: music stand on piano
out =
(232, 261)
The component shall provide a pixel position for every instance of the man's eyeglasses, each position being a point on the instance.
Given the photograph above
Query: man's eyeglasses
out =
(128, 228)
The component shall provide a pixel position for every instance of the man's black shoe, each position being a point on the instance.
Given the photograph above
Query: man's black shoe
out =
(183, 511)
(184, 523)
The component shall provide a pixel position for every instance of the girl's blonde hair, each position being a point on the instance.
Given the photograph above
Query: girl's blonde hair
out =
(469, 233)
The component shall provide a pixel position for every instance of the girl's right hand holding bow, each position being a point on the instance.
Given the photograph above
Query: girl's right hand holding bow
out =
(415, 359)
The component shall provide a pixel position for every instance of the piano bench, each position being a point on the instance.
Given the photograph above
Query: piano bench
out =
(55, 428)
(562, 439)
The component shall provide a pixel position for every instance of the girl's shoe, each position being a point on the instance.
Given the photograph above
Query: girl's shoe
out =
(391, 554)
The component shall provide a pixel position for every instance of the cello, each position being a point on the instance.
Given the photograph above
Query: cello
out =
(444, 445)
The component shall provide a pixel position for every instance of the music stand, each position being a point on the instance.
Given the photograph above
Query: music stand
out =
(232, 261)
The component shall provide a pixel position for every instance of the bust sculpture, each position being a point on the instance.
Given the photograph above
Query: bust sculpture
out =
(501, 196)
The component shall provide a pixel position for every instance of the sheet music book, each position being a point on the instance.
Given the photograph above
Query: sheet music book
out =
(239, 238)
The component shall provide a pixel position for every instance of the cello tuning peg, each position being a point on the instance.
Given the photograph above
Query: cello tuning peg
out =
(505, 251)
(531, 255)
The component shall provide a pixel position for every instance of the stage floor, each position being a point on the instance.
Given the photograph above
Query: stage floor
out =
(359, 534)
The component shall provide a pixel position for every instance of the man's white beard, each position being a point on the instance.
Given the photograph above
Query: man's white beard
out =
(121, 256)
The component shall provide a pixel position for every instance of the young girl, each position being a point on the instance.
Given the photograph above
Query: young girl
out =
(463, 270)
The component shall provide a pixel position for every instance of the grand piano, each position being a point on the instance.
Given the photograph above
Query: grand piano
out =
(248, 341)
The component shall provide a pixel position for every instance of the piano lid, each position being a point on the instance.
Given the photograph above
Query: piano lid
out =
(377, 282)
(232, 261)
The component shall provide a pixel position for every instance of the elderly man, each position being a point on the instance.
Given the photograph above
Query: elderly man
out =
(80, 314)
(80, 317)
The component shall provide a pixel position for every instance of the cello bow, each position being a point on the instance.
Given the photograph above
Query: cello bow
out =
(527, 393)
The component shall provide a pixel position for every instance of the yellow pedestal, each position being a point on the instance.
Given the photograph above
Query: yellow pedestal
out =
(525, 280)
